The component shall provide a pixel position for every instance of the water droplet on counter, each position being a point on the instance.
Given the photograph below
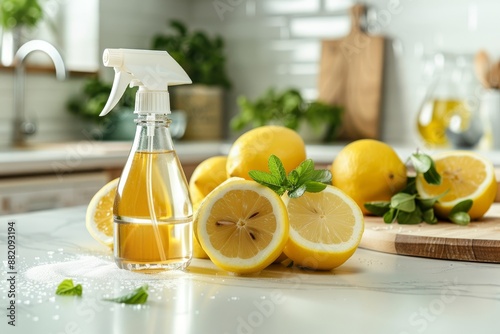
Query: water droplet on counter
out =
(55, 317)
(35, 318)
(26, 302)
(234, 298)
(212, 297)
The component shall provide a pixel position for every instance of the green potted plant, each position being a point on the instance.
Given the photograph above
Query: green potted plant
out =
(203, 59)
(119, 125)
(15, 16)
(315, 121)
(15, 13)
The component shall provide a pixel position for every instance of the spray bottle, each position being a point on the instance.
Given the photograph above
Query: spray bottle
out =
(152, 210)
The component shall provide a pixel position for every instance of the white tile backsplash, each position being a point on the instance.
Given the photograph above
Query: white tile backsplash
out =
(259, 58)
(276, 43)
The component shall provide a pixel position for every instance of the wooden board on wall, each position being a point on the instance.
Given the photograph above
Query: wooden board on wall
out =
(351, 73)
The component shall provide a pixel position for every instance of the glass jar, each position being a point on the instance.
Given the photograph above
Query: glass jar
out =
(449, 109)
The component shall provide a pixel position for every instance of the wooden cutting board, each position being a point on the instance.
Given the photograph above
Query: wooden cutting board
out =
(478, 241)
(351, 70)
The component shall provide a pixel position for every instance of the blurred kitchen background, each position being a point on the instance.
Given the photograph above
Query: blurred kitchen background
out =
(268, 43)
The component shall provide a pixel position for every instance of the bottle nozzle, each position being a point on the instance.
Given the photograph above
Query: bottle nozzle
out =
(150, 70)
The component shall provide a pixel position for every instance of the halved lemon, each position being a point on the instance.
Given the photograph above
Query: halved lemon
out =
(325, 228)
(465, 175)
(206, 177)
(242, 226)
(99, 217)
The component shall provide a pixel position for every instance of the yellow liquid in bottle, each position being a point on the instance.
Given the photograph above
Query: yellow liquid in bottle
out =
(137, 245)
(434, 118)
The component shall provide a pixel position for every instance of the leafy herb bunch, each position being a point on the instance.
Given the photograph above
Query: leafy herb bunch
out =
(93, 98)
(289, 108)
(297, 182)
(202, 57)
(15, 13)
(407, 207)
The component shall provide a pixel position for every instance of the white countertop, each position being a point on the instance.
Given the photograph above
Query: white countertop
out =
(371, 293)
(92, 155)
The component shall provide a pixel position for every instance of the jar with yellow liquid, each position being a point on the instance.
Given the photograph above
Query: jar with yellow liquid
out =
(449, 108)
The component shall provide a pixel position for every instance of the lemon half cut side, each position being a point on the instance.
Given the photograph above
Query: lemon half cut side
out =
(242, 226)
(325, 228)
(464, 175)
(99, 216)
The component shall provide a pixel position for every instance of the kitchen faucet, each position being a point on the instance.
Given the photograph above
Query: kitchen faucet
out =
(23, 127)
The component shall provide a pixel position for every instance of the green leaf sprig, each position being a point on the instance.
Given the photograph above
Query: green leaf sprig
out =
(407, 207)
(297, 182)
(68, 288)
(138, 296)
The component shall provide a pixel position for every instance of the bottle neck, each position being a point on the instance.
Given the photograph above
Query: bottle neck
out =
(152, 133)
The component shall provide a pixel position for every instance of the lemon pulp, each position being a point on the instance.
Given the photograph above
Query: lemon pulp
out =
(242, 226)
(325, 228)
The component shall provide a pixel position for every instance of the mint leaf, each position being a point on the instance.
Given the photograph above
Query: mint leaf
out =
(305, 170)
(138, 296)
(378, 208)
(460, 218)
(264, 178)
(458, 213)
(314, 187)
(432, 176)
(301, 179)
(404, 202)
(297, 192)
(429, 217)
(276, 168)
(390, 215)
(411, 185)
(411, 217)
(322, 175)
(421, 162)
(424, 165)
(293, 178)
(427, 203)
(67, 288)
(463, 206)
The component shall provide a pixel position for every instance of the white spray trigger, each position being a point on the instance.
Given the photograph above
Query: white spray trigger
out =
(120, 83)
(152, 71)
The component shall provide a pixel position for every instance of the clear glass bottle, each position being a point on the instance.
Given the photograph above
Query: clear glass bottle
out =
(448, 100)
(152, 209)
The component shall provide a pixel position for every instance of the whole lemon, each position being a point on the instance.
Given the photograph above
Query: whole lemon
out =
(251, 151)
(206, 177)
(368, 170)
